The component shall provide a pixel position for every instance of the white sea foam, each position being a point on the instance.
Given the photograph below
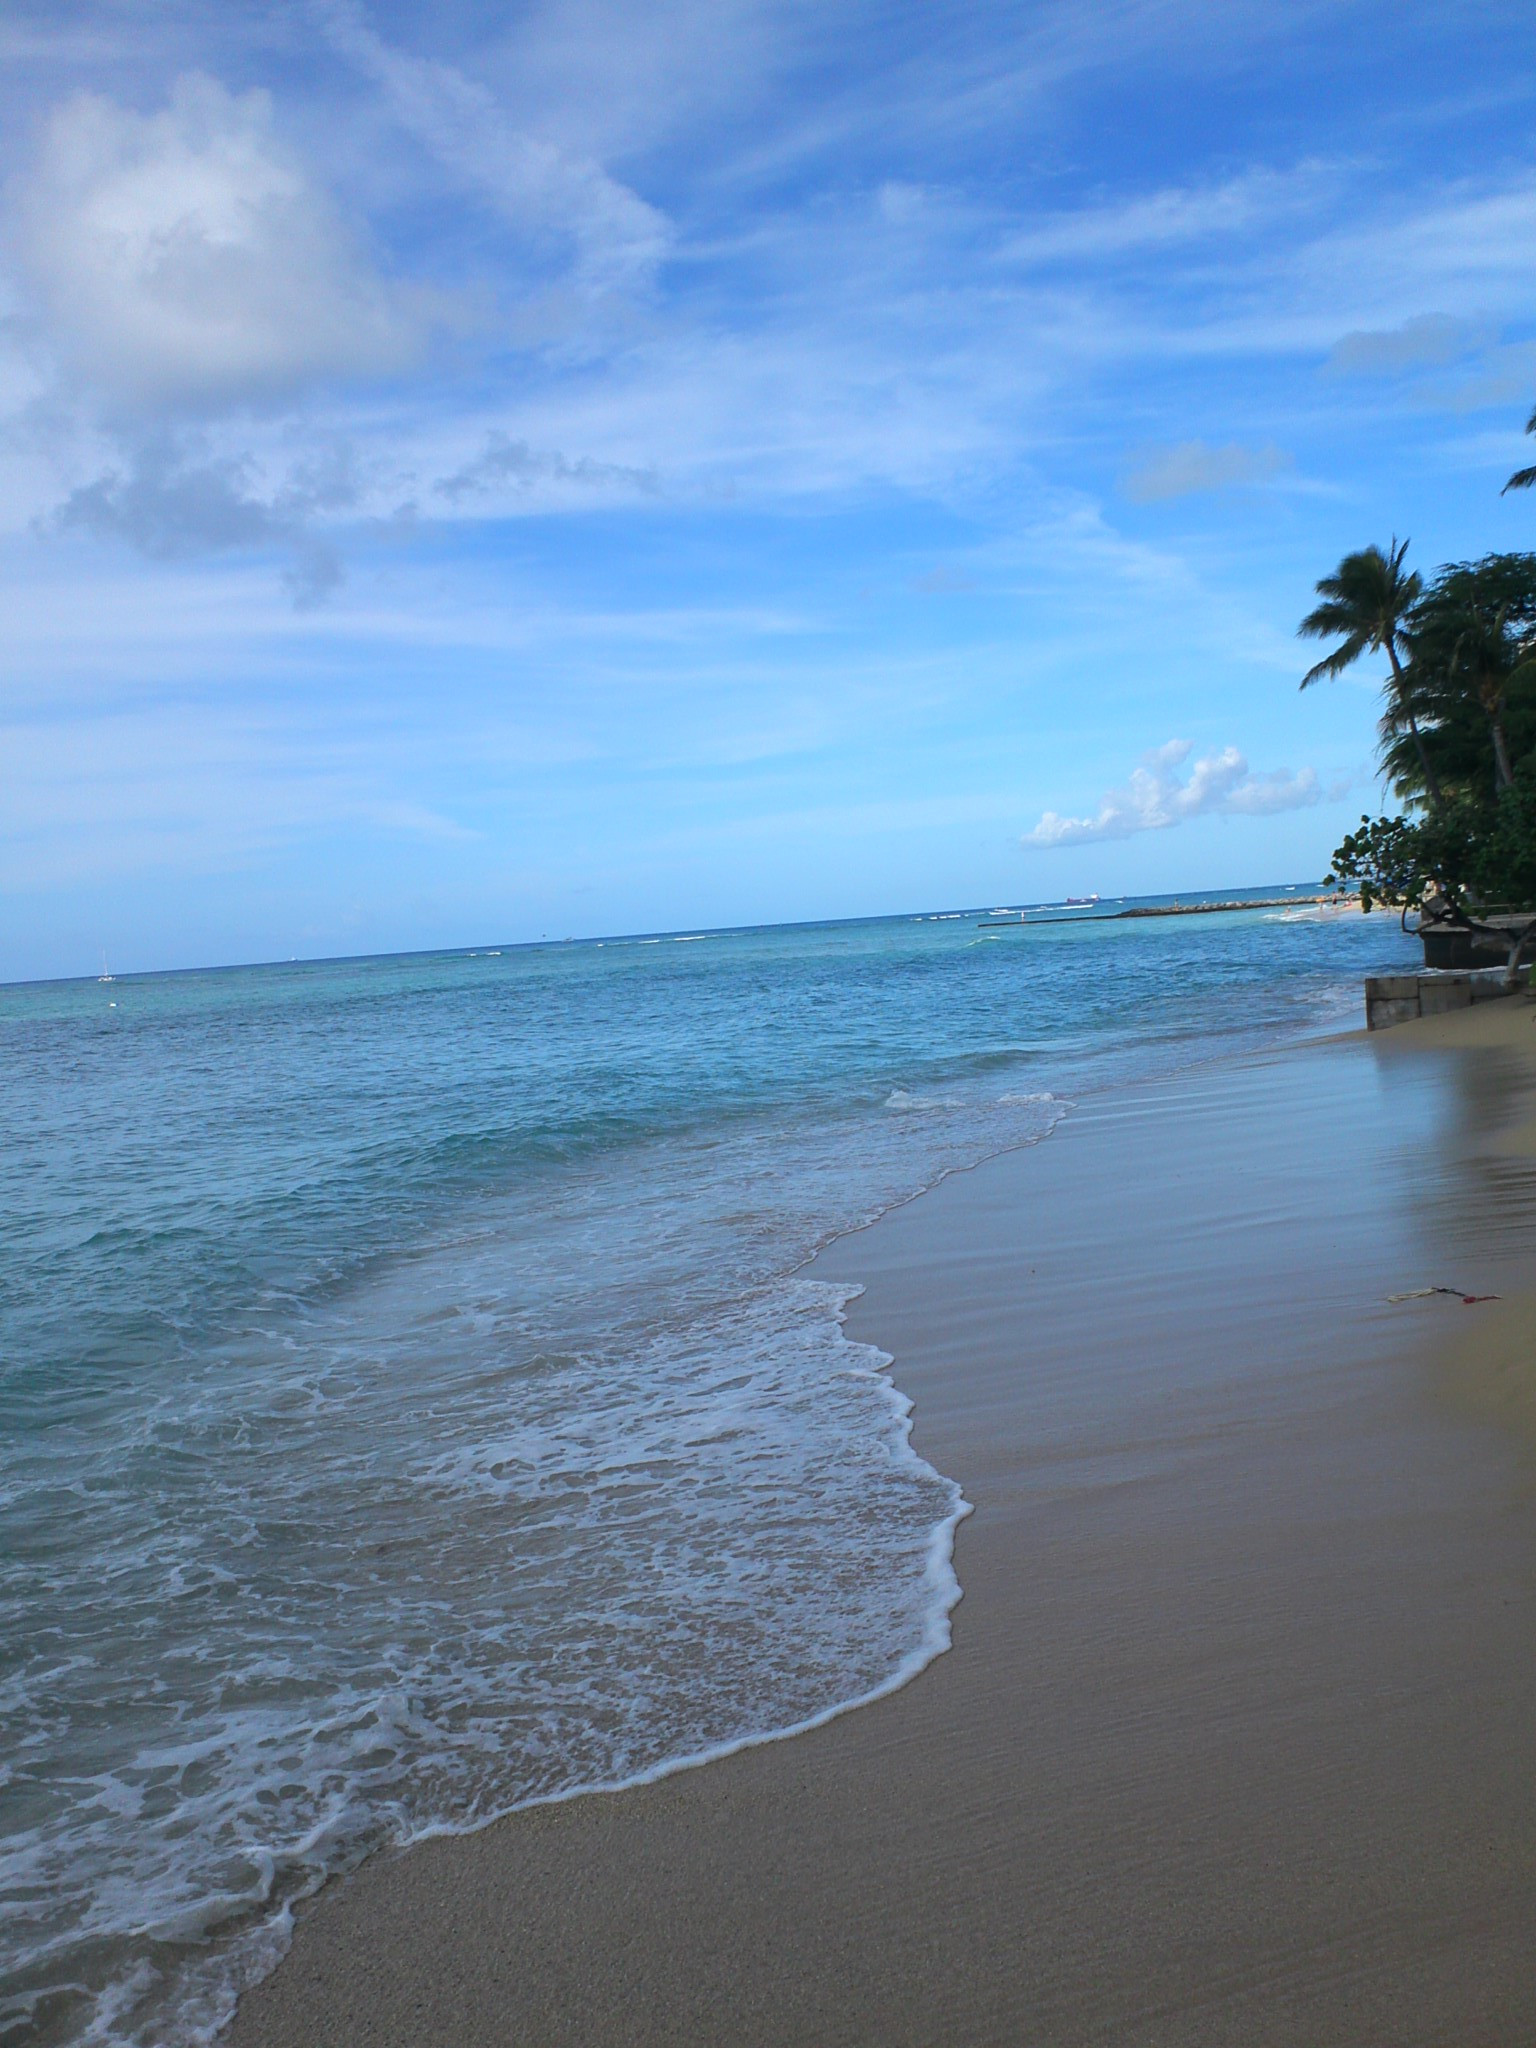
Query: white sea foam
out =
(469, 1696)
(546, 1544)
(903, 1098)
(541, 1555)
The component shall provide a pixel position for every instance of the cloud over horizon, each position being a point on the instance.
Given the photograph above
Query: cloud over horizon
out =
(1155, 797)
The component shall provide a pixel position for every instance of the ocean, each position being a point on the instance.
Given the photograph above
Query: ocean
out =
(415, 1400)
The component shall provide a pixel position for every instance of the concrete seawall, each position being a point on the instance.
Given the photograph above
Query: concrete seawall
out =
(1395, 998)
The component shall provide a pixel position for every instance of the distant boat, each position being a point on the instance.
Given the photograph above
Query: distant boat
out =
(1080, 902)
(106, 973)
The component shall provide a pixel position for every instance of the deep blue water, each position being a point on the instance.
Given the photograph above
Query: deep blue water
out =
(412, 1404)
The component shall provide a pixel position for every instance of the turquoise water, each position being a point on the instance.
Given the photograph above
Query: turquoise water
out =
(412, 1402)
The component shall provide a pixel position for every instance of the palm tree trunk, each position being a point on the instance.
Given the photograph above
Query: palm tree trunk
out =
(1501, 755)
(1490, 697)
(1431, 782)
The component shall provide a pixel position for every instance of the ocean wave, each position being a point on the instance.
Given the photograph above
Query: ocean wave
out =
(902, 1098)
(584, 1568)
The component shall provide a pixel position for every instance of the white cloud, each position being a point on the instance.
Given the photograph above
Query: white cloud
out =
(1191, 466)
(534, 183)
(1155, 797)
(185, 258)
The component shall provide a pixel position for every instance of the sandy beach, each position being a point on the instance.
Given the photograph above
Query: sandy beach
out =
(1235, 1740)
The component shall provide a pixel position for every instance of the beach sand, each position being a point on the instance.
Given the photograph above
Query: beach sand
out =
(1237, 1738)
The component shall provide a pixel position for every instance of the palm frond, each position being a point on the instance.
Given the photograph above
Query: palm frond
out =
(1342, 657)
(1330, 618)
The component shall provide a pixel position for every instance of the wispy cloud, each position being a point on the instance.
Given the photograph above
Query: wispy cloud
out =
(505, 464)
(1191, 466)
(1444, 243)
(537, 185)
(1429, 341)
(1168, 217)
(942, 581)
(197, 787)
(1156, 796)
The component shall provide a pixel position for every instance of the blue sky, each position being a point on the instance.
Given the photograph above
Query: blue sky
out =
(475, 472)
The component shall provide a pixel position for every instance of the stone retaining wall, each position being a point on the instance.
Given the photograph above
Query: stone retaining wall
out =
(1394, 998)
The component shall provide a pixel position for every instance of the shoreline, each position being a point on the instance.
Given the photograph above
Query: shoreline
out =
(617, 1916)
(1340, 900)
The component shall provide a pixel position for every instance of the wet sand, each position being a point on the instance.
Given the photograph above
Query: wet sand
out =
(1237, 1739)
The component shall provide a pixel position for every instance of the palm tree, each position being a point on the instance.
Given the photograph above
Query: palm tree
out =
(1523, 478)
(1369, 602)
(1480, 655)
(1472, 637)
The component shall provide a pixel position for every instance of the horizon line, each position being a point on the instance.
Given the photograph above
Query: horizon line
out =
(471, 949)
